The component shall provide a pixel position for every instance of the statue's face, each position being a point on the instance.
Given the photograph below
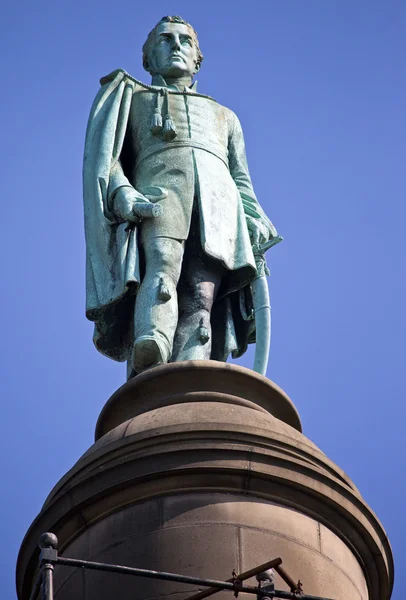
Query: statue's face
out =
(174, 52)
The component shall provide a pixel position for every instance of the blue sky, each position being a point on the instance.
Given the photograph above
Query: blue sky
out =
(320, 89)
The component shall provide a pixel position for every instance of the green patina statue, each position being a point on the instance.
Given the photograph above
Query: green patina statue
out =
(175, 235)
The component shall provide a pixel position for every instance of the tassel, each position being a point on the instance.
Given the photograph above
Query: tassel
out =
(169, 129)
(203, 333)
(163, 291)
(156, 121)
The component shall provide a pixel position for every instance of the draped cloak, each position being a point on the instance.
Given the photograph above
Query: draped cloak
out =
(203, 163)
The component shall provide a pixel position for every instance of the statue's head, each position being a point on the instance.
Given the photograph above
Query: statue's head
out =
(172, 49)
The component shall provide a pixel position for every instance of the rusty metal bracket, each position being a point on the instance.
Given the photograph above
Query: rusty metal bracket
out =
(242, 577)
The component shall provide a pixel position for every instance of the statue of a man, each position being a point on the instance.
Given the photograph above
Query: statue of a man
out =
(170, 213)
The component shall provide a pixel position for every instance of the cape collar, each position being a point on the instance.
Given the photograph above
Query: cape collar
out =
(159, 81)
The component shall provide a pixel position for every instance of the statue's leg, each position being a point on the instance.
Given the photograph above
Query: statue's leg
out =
(156, 306)
(197, 290)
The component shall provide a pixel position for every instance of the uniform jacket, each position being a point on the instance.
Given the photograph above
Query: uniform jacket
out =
(205, 163)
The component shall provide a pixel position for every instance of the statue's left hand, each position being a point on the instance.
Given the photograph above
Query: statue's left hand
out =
(259, 233)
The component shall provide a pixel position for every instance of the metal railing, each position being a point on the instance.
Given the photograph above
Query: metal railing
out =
(49, 558)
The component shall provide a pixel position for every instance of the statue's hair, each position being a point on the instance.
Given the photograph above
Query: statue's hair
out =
(151, 36)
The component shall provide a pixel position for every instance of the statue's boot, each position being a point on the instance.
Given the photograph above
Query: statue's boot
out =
(148, 352)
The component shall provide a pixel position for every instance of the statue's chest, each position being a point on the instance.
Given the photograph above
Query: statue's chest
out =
(193, 116)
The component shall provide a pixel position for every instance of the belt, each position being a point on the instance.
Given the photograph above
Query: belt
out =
(176, 143)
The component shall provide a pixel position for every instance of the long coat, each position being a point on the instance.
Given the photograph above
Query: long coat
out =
(205, 162)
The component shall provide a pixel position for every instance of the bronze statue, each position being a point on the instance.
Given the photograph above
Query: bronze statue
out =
(172, 220)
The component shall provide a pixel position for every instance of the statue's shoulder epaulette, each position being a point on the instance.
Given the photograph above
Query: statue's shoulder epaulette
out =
(111, 76)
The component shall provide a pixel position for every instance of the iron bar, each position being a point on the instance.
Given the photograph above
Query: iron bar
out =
(47, 581)
(286, 578)
(213, 583)
(221, 585)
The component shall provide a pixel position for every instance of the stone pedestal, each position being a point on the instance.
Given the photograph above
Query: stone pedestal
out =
(200, 468)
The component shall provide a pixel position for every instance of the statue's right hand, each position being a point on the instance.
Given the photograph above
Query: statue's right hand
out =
(130, 205)
(146, 210)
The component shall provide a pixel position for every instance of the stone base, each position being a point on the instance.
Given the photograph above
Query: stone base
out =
(200, 468)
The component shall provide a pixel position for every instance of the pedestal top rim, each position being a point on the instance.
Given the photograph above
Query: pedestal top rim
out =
(206, 376)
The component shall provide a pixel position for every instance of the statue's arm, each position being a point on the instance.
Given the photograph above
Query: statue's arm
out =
(257, 221)
(117, 180)
(106, 185)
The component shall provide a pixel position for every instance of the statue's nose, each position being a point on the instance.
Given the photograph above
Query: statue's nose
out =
(176, 44)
